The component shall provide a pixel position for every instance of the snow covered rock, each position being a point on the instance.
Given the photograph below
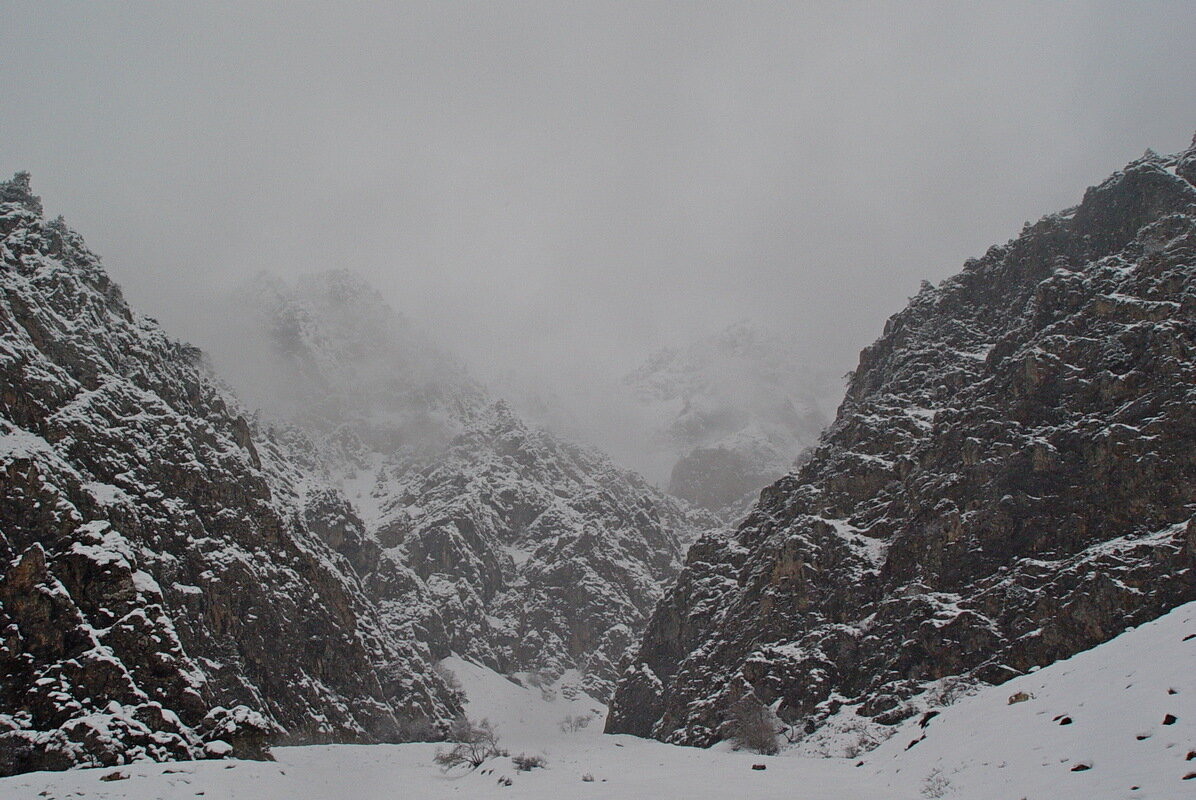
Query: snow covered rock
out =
(150, 569)
(1009, 480)
(563, 553)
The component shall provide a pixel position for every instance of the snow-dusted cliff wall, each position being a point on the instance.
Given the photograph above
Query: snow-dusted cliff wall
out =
(159, 595)
(1011, 478)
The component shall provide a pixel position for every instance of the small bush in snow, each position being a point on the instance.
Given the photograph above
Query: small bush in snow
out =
(754, 726)
(936, 784)
(473, 744)
(573, 724)
(525, 763)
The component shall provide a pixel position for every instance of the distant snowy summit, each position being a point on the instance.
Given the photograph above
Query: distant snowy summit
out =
(736, 409)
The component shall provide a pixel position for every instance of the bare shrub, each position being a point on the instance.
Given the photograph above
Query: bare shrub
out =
(936, 785)
(525, 763)
(573, 724)
(472, 745)
(754, 726)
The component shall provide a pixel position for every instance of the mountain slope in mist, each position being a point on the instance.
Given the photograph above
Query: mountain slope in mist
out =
(327, 353)
(474, 532)
(735, 409)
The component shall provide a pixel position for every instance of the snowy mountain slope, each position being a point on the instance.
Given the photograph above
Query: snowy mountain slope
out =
(158, 596)
(328, 354)
(1117, 721)
(474, 532)
(735, 409)
(565, 553)
(1114, 700)
(529, 714)
(1010, 479)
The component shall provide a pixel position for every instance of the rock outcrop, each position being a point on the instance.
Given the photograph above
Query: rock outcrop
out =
(160, 595)
(1010, 479)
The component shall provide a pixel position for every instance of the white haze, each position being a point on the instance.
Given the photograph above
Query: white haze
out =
(554, 191)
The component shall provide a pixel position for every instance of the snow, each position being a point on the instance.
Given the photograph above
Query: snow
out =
(20, 443)
(981, 747)
(145, 583)
(518, 554)
(528, 720)
(218, 748)
(1116, 697)
(874, 550)
(107, 494)
(360, 486)
(622, 768)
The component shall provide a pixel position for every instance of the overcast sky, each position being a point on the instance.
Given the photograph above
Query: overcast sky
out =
(564, 187)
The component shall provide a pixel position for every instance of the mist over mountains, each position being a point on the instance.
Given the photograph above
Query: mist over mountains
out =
(328, 351)
(529, 400)
(188, 579)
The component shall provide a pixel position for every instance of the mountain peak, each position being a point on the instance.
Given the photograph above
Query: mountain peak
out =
(18, 190)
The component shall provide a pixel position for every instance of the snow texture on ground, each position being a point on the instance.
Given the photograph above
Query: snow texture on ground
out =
(1116, 721)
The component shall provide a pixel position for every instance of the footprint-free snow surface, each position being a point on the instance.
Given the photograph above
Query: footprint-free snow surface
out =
(1097, 725)
(1116, 721)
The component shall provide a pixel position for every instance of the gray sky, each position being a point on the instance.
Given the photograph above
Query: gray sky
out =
(563, 187)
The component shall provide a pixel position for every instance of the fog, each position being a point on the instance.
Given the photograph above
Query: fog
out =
(555, 191)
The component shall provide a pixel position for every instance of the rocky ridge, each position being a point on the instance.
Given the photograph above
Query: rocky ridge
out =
(1009, 480)
(160, 596)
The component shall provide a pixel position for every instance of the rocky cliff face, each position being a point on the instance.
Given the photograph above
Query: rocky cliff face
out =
(159, 595)
(735, 409)
(541, 556)
(1009, 480)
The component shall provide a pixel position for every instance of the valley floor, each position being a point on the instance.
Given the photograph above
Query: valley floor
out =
(1118, 721)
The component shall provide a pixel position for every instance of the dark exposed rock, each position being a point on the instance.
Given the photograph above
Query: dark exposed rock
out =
(1009, 480)
(160, 590)
(719, 477)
